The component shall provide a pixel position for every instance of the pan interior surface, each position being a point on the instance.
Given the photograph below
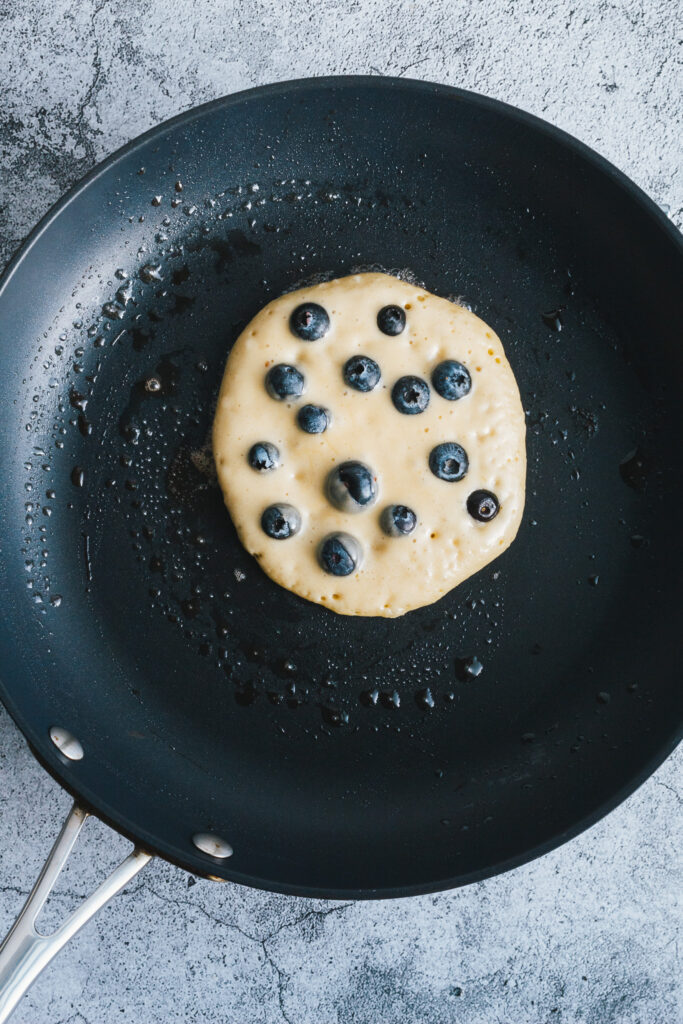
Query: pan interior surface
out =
(339, 755)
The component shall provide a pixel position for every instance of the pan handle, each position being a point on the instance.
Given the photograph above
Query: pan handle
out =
(25, 951)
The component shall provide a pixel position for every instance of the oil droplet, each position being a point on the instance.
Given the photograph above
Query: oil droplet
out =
(77, 400)
(131, 432)
(553, 319)
(390, 700)
(425, 699)
(84, 426)
(295, 698)
(369, 698)
(86, 557)
(334, 717)
(634, 469)
(151, 272)
(123, 295)
(113, 311)
(191, 607)
(152, 384)
(468, 668)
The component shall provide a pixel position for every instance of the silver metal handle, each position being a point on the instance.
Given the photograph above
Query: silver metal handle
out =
(25, 951)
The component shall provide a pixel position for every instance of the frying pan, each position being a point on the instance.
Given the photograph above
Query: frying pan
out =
(224, 723)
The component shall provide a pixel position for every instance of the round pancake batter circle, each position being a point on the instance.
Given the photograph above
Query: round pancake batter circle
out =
(396, 572)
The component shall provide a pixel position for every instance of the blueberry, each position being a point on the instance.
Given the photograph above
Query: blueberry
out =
(410, 395)
(281, 521)
(451, 380)
(309, 321)
(313, 419)
(283, 381)
(398, 520)
(483, 506)
(391, 320)
(351, 487)
(448, 461)
(263, 456)
(340, 554)
(361, 373)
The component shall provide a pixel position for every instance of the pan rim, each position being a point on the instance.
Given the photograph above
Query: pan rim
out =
(39, 744)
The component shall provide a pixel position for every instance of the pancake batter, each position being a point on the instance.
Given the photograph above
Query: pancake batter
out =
(369, 442)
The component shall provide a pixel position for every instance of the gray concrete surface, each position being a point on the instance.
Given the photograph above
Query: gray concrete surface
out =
(589, 933)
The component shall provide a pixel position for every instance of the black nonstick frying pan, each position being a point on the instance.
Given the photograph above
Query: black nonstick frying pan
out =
(337, 756)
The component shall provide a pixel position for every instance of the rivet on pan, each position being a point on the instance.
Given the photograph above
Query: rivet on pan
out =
(66, 743)
(212, 845)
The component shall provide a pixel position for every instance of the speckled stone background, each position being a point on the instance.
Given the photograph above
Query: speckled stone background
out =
(589, 933)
